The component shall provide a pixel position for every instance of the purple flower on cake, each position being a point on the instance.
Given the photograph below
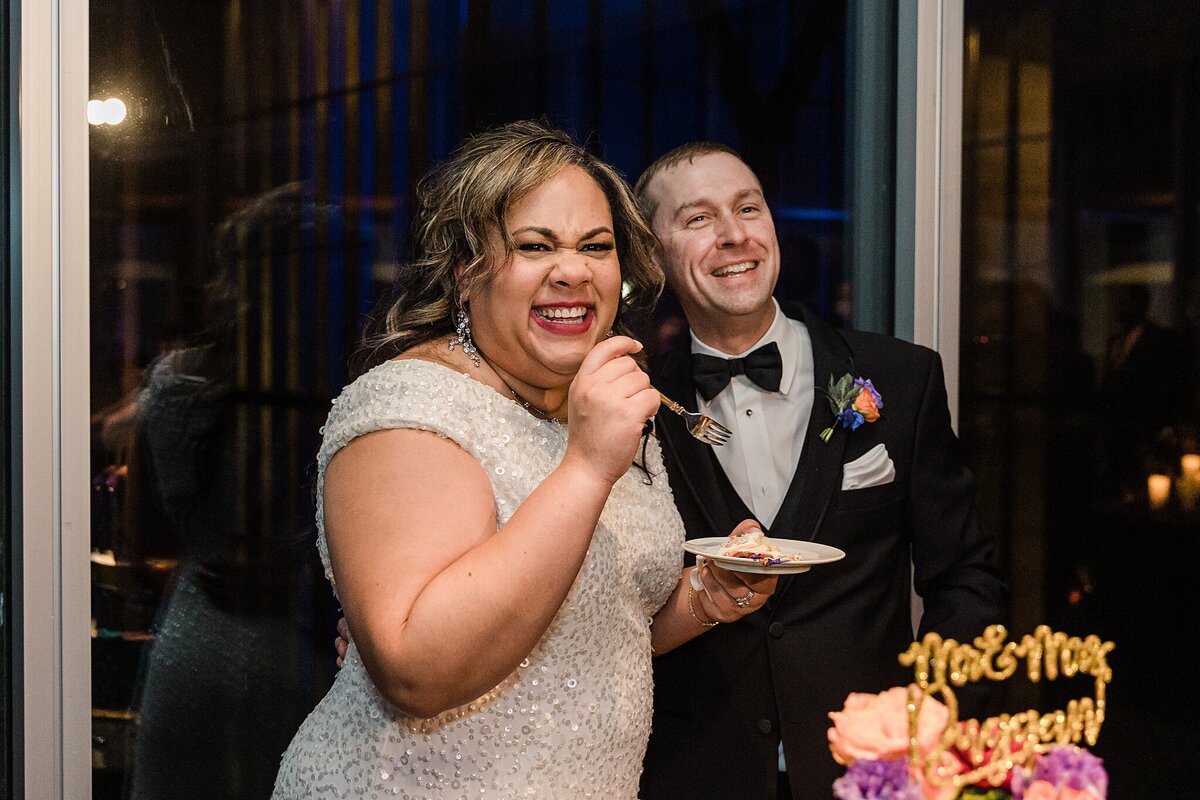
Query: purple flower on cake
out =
(1064, 768)
(877, 780)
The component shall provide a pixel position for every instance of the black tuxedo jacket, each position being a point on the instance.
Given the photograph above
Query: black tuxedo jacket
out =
(723, 701)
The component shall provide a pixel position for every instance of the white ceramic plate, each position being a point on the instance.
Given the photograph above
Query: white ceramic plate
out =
(810, 552)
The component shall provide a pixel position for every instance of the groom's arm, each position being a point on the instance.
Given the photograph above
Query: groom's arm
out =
(952, 553)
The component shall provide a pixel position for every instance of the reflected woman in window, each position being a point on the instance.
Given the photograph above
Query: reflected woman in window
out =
(504, 565)
(214, 719)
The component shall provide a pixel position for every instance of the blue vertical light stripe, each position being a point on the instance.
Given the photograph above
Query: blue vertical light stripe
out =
(367, 148)
(437, 81)
(445, 83)
(566, 23)
(622, 59)
(336, 139)
(401, 71)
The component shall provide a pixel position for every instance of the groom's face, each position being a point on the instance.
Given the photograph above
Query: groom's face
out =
(718, 244)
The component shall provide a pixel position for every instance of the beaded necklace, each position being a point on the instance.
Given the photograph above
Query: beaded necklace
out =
(525, 404)
(532, 409)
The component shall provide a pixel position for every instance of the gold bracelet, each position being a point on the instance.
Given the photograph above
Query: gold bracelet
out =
(696, 616)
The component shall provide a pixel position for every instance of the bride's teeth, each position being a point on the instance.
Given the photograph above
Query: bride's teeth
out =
(563, 314)
(734, 269)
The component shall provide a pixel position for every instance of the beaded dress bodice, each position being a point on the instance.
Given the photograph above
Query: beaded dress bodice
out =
(572, 720)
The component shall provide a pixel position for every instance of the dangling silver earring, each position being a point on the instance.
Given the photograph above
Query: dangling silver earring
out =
(462, 327)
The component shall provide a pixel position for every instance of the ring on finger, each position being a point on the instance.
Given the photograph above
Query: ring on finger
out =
(744, 602)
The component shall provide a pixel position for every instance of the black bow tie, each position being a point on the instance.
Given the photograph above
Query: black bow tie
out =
(764, 366)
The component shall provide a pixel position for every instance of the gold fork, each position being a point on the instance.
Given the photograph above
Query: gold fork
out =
(704, 428)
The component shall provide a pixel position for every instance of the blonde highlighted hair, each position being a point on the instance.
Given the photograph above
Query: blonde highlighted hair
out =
(466, 199)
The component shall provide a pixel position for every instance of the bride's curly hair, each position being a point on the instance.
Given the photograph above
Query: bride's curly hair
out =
(466, 199)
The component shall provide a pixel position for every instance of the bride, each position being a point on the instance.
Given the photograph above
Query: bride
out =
(495, 521)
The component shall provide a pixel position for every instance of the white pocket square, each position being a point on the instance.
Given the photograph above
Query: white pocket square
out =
(872, 468)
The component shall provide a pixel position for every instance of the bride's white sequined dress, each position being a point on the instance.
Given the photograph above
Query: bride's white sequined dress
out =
(573, 719)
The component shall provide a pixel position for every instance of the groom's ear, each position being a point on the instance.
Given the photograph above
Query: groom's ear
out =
(660, 261)
(656, 255)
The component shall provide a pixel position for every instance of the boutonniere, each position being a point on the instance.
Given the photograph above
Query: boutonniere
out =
(853, 400)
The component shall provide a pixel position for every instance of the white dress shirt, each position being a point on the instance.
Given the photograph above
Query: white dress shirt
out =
(768, 427)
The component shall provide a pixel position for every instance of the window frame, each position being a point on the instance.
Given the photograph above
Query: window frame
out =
(51, 660)
(929, 180)
(7, 437)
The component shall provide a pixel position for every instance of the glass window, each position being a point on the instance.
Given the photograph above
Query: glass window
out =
(1080, 312)
(252, 178)
(7, 463)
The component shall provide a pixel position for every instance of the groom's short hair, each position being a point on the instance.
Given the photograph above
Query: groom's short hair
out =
(684, 152)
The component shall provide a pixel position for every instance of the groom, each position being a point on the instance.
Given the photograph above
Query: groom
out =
(741, 712)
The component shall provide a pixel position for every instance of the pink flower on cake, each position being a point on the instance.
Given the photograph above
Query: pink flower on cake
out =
(876, 726)
(1044, 790)
(949, 766)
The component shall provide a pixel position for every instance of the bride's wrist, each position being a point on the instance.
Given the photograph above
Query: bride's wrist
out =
(691, 605)
(582, 471)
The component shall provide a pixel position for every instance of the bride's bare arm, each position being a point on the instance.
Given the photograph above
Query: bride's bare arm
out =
(441, 604)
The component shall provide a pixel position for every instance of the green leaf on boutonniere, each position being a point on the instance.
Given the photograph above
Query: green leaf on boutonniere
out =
(845, 395)
(845, 385)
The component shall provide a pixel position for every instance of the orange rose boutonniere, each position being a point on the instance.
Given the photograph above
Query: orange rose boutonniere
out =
(854, 401)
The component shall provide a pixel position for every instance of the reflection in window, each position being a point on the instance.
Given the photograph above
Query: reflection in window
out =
(1081, 251)
(247, 209)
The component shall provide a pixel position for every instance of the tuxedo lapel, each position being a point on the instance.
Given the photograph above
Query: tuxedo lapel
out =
(695, 466)
(818, 474)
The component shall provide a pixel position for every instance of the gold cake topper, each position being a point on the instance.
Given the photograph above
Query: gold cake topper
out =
(993, 747)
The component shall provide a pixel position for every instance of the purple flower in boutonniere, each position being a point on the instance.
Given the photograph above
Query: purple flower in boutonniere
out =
(854, 401)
